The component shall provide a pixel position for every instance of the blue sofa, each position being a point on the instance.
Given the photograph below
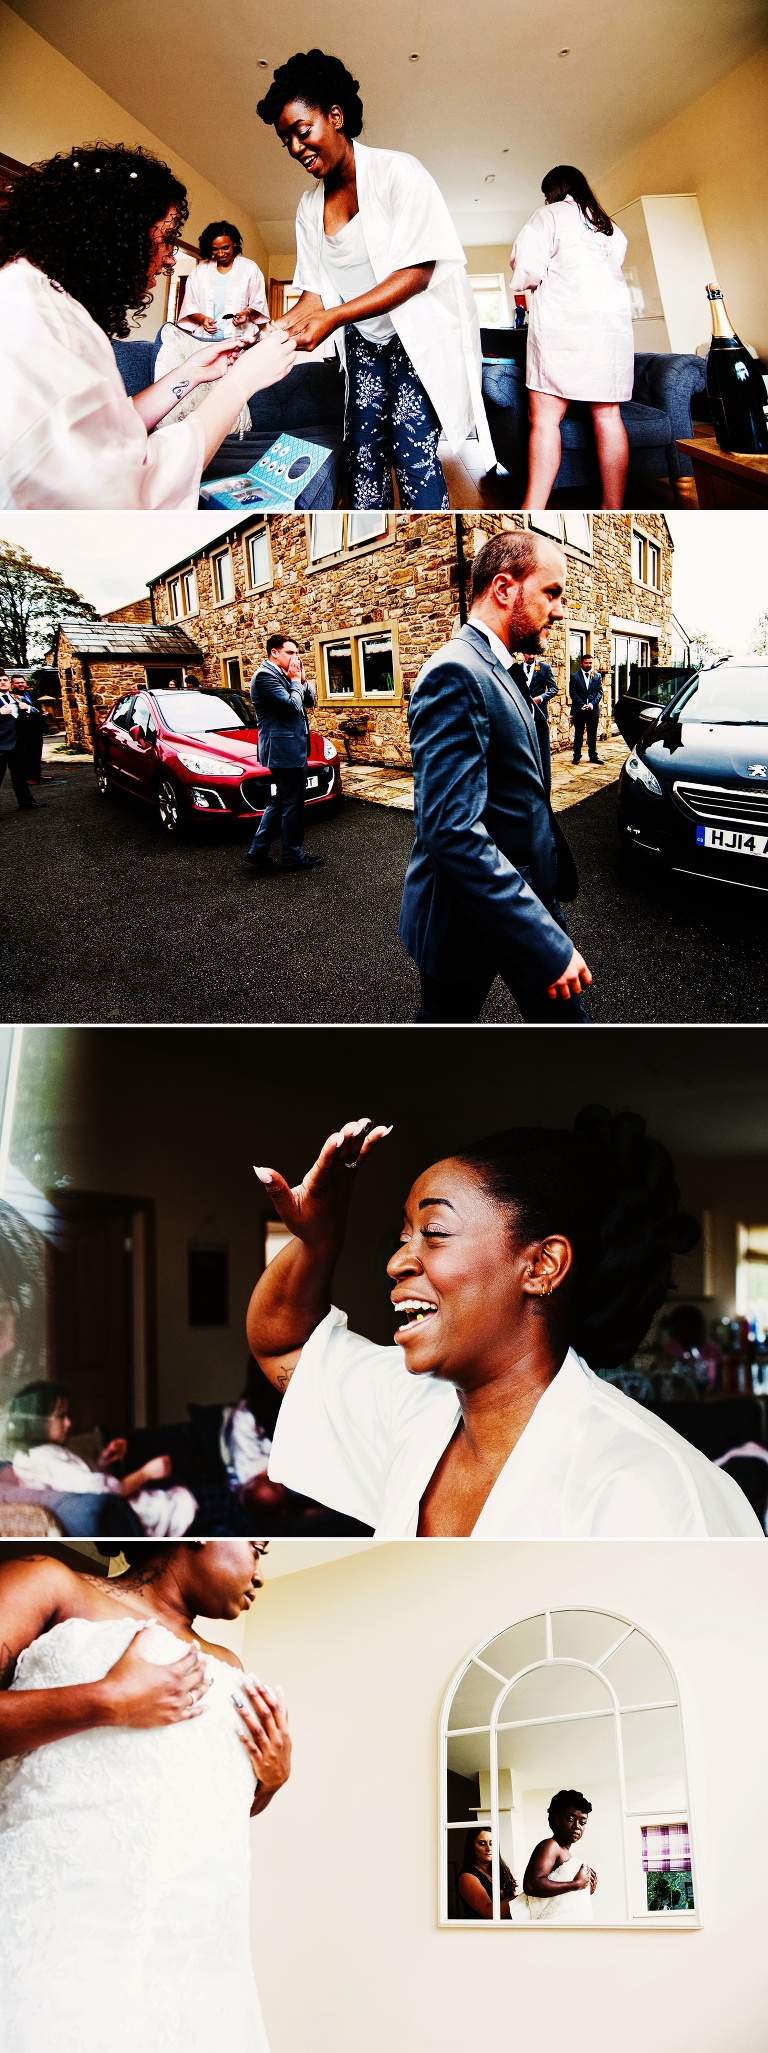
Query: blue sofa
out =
(658, 412)
(309, 402)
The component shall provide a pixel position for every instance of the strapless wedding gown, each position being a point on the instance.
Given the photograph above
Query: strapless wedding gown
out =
(125, 1870)
(573, 1909)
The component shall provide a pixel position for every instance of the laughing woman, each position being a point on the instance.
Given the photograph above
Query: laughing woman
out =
(381, 269)
(521, 1260)
(132, 1754)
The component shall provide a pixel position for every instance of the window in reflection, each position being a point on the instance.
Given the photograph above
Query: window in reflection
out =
(564, 1787)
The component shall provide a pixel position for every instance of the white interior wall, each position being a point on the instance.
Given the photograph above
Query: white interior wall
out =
(353, 1957)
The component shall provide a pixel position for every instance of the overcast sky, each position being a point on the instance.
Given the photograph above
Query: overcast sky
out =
(720, 580)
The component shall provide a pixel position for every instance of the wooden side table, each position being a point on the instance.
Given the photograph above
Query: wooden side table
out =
(723, 479)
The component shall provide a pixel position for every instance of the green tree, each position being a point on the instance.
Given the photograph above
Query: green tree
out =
(33, 599)
(760, 637)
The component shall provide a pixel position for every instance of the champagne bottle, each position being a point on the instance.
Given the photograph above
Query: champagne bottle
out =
(735, 386)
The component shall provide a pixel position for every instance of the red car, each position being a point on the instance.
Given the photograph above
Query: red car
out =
(194, 756)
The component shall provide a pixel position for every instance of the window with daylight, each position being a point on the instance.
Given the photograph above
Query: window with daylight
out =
(223, 577)
(646, 560)
(360, 667)
(258, 560)
(342, 534)
(573, 530)
(182, 593)
(752, 1277)
(490, 293)
(565, 1728)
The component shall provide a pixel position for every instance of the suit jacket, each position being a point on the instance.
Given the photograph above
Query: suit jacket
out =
(543, 685)
(489, 859)
(586, 691)
(279, 707)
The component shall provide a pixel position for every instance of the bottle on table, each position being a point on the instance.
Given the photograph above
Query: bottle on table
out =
(735, 386)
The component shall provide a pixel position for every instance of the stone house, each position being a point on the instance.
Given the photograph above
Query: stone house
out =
(98, 660)
(369, 596)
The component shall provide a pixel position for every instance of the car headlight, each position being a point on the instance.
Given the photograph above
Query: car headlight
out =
(640, 774)
(329, 751)
(206, 766)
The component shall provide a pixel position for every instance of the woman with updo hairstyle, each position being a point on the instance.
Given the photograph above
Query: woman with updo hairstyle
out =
(226, 290)
(380, 269)
(526, 1263)
(133, 1754)
(580, 340)
(84, 239)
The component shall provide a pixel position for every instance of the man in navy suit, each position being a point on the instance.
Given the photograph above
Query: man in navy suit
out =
(489, 863)
(537, 678)
(279, 696)
(586, 700)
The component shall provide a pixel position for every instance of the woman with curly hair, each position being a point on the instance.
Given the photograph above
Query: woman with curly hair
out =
(225, 286)
(580, 342)
(382, 271)
(133, 1753)
(522, 1259)
(84, 238)
(475, 1880)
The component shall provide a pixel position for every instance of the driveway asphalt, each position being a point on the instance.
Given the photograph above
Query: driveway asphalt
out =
(106, 920)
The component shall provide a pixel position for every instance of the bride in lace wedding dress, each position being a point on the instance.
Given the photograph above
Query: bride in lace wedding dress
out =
(128, 1752)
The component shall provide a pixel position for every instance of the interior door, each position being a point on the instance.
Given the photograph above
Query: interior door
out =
(102, 1311)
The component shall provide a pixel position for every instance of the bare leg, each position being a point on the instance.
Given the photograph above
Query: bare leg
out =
(612, 453)
(544, 451)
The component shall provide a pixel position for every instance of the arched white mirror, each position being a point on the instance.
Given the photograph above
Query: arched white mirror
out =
(563, 1783)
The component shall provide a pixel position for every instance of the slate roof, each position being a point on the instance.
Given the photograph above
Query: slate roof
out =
(114, 640)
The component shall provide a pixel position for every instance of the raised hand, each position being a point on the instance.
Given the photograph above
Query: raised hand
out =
(144, 1694)
(309, 1208)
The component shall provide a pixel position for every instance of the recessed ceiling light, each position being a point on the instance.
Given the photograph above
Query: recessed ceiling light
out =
(563, 53)
(415, 57)
(505, 153)
(490, 177)
(262, 64)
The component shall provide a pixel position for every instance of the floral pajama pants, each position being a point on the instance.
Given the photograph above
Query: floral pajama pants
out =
(390, 424)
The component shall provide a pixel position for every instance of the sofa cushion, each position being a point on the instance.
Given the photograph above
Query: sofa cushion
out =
(647, 427)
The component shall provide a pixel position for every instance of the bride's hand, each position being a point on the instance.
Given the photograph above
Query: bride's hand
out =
(143, 1694)
(315, 1206)
(265, 1735)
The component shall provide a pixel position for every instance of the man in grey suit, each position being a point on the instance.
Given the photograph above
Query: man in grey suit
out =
(490, 864)
(279, 696)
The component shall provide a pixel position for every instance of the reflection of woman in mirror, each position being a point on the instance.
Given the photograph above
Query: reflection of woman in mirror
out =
(475, 1883)
(132, 1753)
(525, 1262)
(557, 1883)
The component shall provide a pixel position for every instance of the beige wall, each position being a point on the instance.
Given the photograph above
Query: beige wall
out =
(347, 1950)
(46, 104)
(717, 149)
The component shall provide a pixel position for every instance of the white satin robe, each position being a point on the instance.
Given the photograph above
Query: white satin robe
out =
(69, 435)
(580, 338)
(244, 288)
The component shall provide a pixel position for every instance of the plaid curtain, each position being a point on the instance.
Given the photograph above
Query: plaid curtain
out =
(666, 1849)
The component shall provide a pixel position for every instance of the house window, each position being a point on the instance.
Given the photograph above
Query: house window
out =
(340, 534)
(361, 666)
(578, 647)
(223, 577)
(182, 593)
(568, 1699)
(628, 652)
(232, 673)
(490, 292)
(667, 1867)
(752, 1276)
(258, 560)
(572, 530)
(646, 561)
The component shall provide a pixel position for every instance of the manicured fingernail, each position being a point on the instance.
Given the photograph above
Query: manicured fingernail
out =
(386, 1130)
(239, 1701)
(264, 1175)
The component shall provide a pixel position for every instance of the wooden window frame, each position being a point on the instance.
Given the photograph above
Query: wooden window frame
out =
(359, 698)
(347, 554)
(648, 542)
(216, 556)
(230, 656)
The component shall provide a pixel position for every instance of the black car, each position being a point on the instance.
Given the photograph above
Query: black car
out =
(693, 795)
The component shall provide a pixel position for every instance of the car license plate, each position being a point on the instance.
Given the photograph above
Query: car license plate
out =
(732, 841)
(313, 783)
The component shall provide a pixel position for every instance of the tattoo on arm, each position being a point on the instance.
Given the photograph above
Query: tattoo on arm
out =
(283, 1378)
(178, 389)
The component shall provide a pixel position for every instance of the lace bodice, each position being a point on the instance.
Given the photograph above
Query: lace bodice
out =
(124, 1868)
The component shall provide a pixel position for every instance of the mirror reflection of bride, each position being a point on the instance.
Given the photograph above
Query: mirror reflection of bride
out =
(129, 1750)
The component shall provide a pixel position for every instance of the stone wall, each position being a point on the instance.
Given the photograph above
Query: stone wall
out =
(413, 581)
(139, 610)
(109, 681)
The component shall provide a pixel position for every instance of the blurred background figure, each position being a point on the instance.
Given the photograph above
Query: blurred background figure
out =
(226, 289)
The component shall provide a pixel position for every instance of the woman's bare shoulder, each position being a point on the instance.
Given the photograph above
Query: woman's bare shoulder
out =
(36, 1591)
(219, 1653)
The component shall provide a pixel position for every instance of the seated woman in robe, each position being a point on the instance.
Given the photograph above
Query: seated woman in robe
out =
(525, 1262)
(84, 239)
(37, 1429)
(558, 1884)
(225, 286)
(475, 1882)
